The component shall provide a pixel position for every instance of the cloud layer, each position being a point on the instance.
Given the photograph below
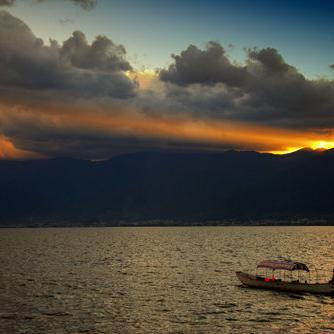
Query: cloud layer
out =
(86, 100)
(74, 69)
(85, 4)
(203, 67)
(265, 90)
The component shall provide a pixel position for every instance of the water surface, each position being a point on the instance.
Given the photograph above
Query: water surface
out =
(156, 280)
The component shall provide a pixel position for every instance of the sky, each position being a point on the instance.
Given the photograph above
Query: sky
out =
(95, 78)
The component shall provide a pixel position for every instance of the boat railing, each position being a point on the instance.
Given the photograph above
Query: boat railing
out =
(320, 275)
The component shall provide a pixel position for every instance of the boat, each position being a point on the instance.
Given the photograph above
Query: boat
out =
(275, 282)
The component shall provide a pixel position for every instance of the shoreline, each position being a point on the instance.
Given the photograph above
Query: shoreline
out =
(171, 223)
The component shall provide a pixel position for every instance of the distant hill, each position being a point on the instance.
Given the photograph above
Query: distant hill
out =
(241, 186)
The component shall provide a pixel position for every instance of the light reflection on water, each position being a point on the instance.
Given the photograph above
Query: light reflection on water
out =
(156, 280)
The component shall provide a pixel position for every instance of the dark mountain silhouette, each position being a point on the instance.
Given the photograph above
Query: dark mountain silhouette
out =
(176, 186)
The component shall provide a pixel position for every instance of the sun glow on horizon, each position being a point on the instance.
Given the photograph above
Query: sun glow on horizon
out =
(314, 145)
(325, 145)
(286, 150)
(181, 132)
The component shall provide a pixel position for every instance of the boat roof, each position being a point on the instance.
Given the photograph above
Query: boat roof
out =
(283, 264)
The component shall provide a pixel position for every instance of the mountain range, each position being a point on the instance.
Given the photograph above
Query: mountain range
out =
(238, 186)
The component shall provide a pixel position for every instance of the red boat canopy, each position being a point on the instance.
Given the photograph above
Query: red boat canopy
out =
(285, 265)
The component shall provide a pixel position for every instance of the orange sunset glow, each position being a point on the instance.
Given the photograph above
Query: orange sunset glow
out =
(214, 135)
(86, 95)
(9, 151)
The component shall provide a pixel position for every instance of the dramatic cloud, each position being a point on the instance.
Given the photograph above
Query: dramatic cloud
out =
(85, 100)
(95, 133)
(266, 90)
(203, 66)
(86, 4)
(74, 69)
(272, 62)
(103, 54)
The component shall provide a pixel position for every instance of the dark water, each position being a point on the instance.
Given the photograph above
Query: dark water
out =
(156, 280)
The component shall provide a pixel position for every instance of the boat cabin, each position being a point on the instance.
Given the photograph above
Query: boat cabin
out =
(293, 271)
(282, 270)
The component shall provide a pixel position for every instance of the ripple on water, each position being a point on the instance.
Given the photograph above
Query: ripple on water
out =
(156, 280)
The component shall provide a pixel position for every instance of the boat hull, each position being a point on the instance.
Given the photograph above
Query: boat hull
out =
(297, 287)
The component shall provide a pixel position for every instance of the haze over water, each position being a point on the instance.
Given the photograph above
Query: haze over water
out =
(157, 280)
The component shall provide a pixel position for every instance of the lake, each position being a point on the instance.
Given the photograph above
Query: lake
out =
(157, 280)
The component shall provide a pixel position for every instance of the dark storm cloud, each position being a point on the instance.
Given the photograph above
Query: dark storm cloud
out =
(39, 84)
(279, 94)
(266, 90)
(7, 2)
(271, 60)
(103, 54)
(95, 147)
(76, 98)
(203, 66)
(76, 68)
(85, 4)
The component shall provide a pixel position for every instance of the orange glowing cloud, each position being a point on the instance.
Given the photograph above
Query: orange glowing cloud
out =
(130, 124)
(185, 129)
(9, 151)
